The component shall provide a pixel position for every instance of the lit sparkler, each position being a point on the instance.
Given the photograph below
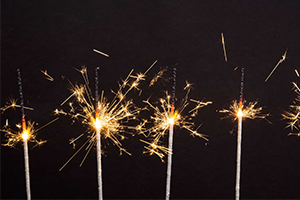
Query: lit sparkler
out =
(25, 133)
(279, 62)
(165, 117)
(104, 119)
(238, 110)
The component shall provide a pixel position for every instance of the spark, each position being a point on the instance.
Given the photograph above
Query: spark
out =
(279, 62)
(188, 85)
(224, 50)
(72, 140)
(155, 148)
(97, 51)
(48, 77)
(13, 104)
(164, 116)
(106, 117)
(296, 86)
(296, 72)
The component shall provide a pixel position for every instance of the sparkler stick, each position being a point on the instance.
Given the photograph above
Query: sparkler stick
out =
(98, 138)
(169, 169)
(25, 135)
(224, 50)
(239, 140)
(279, 62)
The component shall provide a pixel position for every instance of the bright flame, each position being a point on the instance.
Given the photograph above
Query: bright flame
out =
(240, 113)
(98, 124)
(171, 120)
(25, 135)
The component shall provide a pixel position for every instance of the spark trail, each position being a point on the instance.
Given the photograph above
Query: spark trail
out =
(279, 62)
(97, 51)
(13, 104)
(48, 77)
(224, 49)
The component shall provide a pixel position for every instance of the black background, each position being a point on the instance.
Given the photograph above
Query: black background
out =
(60, 35)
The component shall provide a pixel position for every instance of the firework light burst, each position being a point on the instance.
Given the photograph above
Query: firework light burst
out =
(109, 118)
(165, 114)
(247, 110)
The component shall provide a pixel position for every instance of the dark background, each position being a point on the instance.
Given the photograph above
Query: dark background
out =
(59, 36)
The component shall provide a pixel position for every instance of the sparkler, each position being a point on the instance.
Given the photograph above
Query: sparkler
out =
(280, 61)
(25, 134)
(105, 119)
(240, 111)
(164, 119)
(224, 50)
